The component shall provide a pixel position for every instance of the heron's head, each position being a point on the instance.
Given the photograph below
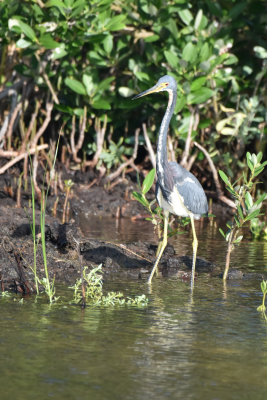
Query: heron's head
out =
(166, 83)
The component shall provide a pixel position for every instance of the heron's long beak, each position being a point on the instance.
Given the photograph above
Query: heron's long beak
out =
(154, 89)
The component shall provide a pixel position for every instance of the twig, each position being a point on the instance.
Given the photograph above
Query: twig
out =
(11, 123)
(128, 162)
(76, 147)
(18, 156)
(219, 191)
(34, 177)
(49, 108)
(188, 142)
(149, 147)
(100, 135)
(42, 65)
(30, 127)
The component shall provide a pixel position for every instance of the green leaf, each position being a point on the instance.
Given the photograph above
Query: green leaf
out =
(108, 43)
(224, 177)
(172, 59)
(248, 200)
(260, 52)
(23, 44)
(204, 52)
(238, 240)
(75, 85)
(185, 16)
(24, 28)
(88, 83)
(260, 199)
(101, 104)
(198, 83)
(139, 197)
(200, 96)
(152, 38)
(252, 215)
(259, 157)
(48, 42)
(124, 91)
(263, 286)
(59, 52)
(249, 163)
(105, 84)
(222, 232)
(116, 23)
(189, 52)
(198, 19)
(254, 159)
(148, 181)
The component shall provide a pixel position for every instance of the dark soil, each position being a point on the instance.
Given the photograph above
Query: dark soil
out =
(68, 251)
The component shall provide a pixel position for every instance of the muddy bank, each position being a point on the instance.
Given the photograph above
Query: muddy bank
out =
(68, 252)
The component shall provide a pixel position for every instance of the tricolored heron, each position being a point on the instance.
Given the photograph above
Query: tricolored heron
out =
(177, 190)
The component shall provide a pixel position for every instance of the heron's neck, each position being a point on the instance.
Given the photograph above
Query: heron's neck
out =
(162, 157)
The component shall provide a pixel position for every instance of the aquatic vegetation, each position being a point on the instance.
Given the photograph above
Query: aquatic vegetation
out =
(247, 207)
(262, 307)
(89, 290)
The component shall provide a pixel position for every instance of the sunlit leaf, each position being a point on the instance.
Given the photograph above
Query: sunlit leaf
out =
(148, 181)
(224, 177)
(23, 44)
(200, 96)
(75, 85)
(185, 16)
(15, 24)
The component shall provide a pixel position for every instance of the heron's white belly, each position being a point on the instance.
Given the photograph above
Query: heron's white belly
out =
(175, 205)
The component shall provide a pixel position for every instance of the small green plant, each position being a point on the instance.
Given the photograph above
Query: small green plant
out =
(264, 292)
(33, 231)
(89, 289)
(48, 285)
(246, 208)
(262, 307)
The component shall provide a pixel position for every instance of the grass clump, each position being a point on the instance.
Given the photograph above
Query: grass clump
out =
(89, 290)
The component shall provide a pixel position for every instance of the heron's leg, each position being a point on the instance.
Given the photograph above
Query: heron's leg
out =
(161, 246)
(195, 244)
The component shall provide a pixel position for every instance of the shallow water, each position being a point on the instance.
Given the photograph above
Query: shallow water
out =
(212, 345)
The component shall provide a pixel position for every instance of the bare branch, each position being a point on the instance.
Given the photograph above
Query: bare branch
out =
(149, 147)
(76, 147)
(219, 191)
(18, 156)
(100, 135)
(49, 108)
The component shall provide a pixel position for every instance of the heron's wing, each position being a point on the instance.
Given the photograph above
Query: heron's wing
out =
(189, 189)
